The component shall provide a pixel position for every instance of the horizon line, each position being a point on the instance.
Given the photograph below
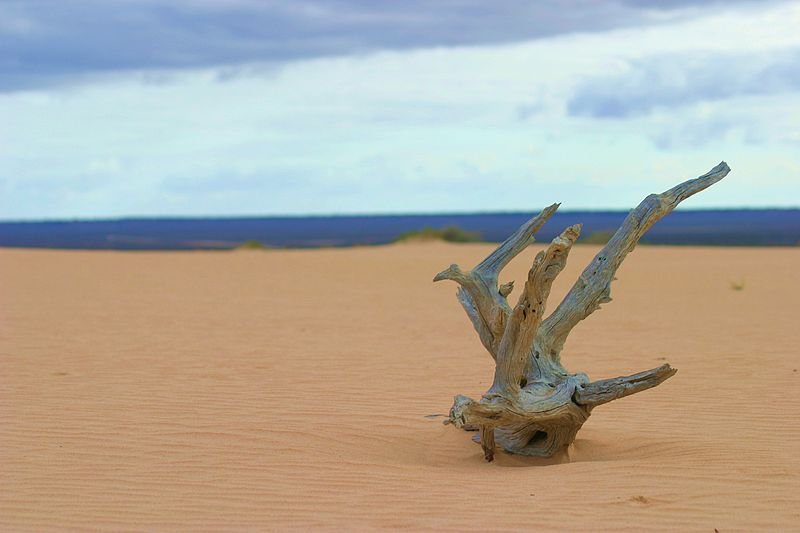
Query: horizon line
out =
(360, 215)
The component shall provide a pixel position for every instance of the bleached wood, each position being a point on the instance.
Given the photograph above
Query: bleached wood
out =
(608, 390)
(485, 302)
(535, 406)
(593, 287)
(515, 346)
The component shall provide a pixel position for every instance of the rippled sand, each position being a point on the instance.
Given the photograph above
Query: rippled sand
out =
(285, 390)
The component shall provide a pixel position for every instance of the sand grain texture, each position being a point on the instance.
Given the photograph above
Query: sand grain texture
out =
(285, 390)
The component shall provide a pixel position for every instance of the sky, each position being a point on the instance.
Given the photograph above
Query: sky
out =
(120, 108)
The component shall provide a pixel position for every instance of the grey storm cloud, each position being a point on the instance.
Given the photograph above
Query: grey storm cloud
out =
(46, 42)
(684, 79)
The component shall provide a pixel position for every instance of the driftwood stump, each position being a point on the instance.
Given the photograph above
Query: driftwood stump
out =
(535, 406)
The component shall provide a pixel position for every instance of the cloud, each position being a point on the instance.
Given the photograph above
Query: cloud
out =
(236, 182)
(684, 79)
(461, 128)
(50, 42)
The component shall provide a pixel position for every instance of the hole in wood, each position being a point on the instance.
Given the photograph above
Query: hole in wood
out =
(540, 437)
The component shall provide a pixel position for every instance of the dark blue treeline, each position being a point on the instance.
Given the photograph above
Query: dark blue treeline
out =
(761, 227)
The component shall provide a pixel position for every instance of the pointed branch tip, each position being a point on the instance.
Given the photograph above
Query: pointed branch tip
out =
(451, 272)
(506, 288)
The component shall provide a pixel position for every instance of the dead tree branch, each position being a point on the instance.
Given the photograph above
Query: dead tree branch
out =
(534, 406)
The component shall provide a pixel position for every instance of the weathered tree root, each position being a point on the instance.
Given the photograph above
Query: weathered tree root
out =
(534, 406)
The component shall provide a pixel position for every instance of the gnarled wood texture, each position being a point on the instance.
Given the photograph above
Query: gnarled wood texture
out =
(535, 406)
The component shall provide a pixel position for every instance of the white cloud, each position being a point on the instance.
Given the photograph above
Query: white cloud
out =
(472, 128)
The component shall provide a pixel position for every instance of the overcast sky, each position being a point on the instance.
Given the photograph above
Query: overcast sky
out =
(112, 108)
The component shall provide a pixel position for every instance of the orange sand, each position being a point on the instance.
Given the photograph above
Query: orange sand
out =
(285, 390)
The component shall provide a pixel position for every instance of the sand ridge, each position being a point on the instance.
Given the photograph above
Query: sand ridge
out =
(288, 389)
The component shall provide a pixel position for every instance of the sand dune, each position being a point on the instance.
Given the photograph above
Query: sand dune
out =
(284, 390)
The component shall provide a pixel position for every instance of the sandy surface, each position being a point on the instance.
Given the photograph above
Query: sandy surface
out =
(288, 390)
